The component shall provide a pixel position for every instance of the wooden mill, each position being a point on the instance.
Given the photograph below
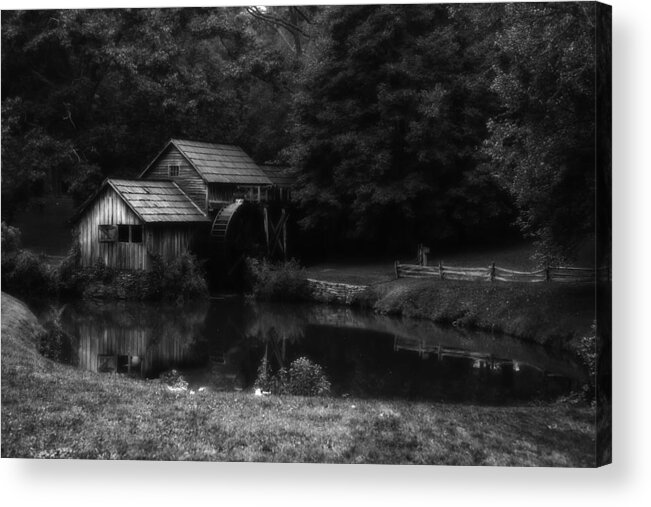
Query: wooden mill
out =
(212, 197)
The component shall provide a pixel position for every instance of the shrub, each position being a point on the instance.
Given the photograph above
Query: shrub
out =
(71, 279)
(304, 378)
(10, 238)
(26, 274)
(55, 343)
(23, 273)
(307, 378)
(101, 272)
(284, 281)
(182, 278)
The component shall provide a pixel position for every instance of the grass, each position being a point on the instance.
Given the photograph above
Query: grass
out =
(373, 271)
(551, 314)
(55, 411)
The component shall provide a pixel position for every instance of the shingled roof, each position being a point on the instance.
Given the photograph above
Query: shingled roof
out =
(153, 201)
(218, 163)
(279, 176)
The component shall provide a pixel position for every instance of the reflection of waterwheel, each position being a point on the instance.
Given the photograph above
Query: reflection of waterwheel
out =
(238, 231)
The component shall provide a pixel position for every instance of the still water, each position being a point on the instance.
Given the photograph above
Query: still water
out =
(219, 345)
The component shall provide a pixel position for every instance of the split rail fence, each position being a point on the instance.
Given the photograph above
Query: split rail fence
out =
(494, 273)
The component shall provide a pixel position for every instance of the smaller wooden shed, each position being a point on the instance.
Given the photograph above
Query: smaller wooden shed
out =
(126, 222)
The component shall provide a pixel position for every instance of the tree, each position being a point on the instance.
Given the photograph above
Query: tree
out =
(389, 122)
(542, 143)
(95, 93)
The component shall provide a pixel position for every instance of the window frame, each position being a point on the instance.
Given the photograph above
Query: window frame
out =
(173, 170)
(107, 233)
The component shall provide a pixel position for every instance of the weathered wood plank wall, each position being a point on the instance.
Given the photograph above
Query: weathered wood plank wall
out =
(109, 209)
(167, 240)
(188, 179)
(221, 192)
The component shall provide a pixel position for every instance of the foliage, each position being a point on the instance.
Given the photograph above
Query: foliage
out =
(96, 92)
(70, 277)
(304, 378)
(55, 343)
(26, 274)
(173, 378)
(542, 143)
(404, 124)
(389, 123)
(181, 279)
(10, 239)
(283, 281)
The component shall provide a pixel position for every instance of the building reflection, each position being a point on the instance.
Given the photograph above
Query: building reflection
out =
(136, 339)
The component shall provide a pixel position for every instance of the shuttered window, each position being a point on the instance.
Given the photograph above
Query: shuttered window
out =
(108, 233)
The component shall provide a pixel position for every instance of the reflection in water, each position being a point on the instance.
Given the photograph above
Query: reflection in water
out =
(134, 338)
(220, 345)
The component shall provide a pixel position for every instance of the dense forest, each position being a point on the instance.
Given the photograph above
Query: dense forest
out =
(403, 124)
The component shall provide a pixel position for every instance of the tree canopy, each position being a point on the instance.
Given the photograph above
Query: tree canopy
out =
(402, 123)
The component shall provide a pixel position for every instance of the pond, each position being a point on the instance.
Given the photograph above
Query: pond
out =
(219, 345)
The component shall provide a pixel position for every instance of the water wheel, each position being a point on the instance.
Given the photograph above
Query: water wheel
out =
(237, 231)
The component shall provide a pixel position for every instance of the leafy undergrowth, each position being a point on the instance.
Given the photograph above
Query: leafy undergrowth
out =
(54, 411)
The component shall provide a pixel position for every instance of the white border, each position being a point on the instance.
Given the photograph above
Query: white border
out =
(627, 482)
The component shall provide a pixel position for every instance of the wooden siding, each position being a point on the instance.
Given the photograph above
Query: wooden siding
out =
(220, 192)
(188, 178)
(109, 209)
(166, 240)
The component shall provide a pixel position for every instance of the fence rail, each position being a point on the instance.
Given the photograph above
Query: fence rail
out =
(495, 273)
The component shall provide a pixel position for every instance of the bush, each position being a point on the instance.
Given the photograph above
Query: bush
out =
(181, 279)
(26, 274)
(10, 238)
(304, 378)
(71, 279)
(284, 281)
(55, 343)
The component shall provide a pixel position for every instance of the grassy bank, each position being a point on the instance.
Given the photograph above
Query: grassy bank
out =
(50, 410)
(557, 314)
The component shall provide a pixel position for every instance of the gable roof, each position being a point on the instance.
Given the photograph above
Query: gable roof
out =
(153, 201)
(217, 163)
(279, 176)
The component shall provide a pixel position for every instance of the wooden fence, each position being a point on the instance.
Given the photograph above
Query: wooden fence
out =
(494, 273)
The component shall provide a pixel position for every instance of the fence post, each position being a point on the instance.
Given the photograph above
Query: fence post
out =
(441, 270)
(395, 267)
(547, 277)
(493, 272)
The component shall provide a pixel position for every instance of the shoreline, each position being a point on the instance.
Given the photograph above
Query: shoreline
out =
(51, 410)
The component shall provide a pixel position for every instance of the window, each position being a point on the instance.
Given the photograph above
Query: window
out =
(108, 233)
(123, 233)
(173, 170)
(130, 233)
(136, 234)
